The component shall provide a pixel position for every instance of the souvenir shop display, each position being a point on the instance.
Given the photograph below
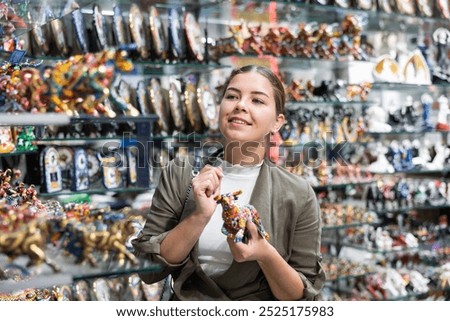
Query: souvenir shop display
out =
(125, 87)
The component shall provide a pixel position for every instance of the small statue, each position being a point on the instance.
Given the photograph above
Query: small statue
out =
(25, 139)
(235, 217)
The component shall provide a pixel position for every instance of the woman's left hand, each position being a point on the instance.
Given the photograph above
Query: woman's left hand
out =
(255, 249)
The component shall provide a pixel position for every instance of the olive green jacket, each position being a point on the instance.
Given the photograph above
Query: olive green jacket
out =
(289, 211)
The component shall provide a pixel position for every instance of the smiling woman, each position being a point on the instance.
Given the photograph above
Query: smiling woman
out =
(183, 228)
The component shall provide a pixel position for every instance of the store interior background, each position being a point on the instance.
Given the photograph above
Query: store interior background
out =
(367, 84)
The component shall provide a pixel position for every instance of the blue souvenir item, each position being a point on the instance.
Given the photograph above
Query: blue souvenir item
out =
(80, 176)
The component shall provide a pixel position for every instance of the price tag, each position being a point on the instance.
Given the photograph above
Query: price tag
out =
(16, 56)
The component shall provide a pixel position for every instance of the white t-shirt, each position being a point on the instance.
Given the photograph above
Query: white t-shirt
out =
(214, 253)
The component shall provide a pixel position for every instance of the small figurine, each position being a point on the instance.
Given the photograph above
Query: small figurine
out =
(442, 123)
(426, 109)
(235, 217)
(25, 139)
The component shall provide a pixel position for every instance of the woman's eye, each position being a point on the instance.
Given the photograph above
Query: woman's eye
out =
(230, 97)
(258, 101)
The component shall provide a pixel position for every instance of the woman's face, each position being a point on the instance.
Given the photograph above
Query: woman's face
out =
(247, 110)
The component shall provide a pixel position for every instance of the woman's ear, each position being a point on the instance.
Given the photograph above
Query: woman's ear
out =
(281, 120)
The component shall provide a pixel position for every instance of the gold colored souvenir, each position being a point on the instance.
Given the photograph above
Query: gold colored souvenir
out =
(158, 104)
(177, 107)
(138, 31)
(192, 108)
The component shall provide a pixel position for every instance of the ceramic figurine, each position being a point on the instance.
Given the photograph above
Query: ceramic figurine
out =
(235, 217)
(442, 123)
(426, 109)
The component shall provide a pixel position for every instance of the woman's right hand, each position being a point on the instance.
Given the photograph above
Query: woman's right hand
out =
(206, 186)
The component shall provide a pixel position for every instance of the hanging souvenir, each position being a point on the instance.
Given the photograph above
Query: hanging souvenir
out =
(364, 4)
(132, 154)
(425, 8)
(80, 175)
(385, 6)
(177, 42)
(100, 27)
(177, 107)
(209, 108)
(444, 10)
(110, 169)
(40, 38)
(406, 7)
(343, 3)
(6, 140)
(63, 293)
(192, 108)
(158, 105)
(58, 35)
(137, 30)
(101, 290)
(194, 37)
(157, 34)
(321, 2)
(82, 291)
(119, 27)
(152, 292)
(79, 26)
(52, 178)
(142, 98)
(135, 287)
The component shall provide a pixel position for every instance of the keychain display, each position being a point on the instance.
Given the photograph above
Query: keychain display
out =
(52, 177)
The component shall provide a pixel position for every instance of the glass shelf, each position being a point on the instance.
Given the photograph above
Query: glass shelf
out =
(70, 272)
(33, 119)
(404, 132)
(17, 153)
(371, 19)
(76, 141)
(174, 69)
(412, 87)
(297, 62)
(119, 119)
(293, 105)
(345, 226)
(419, 172)
(341, 185)
(414, 208)
(377, 251)
(98, 191)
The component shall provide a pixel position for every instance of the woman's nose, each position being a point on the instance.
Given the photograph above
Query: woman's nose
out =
(241, 106)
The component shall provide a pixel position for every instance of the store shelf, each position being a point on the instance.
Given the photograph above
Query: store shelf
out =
(18, 153)
(443, 87)
(404, 132)
(345, 226)
(96, 191)
(341, 185)
(70, 272)
(293, 105)
(34, 119)
(414, 208)
(419, 172)
(286, 62)
(174, 69)
(383, 252)
(297, 11)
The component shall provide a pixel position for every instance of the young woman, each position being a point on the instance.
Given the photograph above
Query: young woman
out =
(183, 228)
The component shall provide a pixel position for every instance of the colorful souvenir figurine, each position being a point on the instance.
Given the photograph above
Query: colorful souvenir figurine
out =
(235, 217)
(25, 139)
